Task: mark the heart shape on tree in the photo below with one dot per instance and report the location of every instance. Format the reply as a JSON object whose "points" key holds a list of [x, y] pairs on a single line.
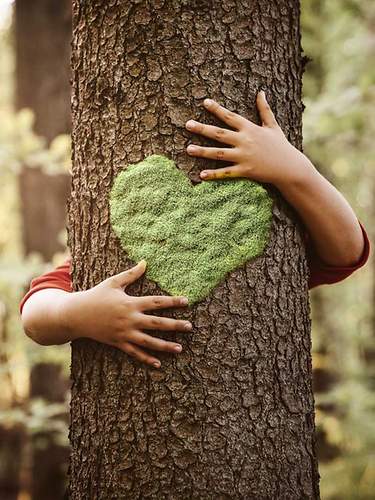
{"points": [[190, 236]]}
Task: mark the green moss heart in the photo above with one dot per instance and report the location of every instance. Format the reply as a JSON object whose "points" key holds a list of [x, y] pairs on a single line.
{"points": [[191, 236]]}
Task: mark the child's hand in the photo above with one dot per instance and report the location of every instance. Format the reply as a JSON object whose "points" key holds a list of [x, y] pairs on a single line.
{"points": [[105, 313], [261, 153]]}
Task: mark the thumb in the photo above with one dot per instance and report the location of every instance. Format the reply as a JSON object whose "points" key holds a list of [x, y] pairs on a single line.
{"points": [[127, 277], [265, 111]]}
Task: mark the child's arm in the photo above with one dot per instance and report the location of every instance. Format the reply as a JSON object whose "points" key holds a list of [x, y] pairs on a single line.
{"points": [[104, 313], [263, 153]]}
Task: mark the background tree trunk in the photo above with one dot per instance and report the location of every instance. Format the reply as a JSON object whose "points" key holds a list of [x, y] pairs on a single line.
{"points": [[43, 35], [233, 415], [43, 206]]}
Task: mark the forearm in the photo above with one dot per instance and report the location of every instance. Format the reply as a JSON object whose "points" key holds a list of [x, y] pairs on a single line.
{"points": [[330, 220], [43, 317]]}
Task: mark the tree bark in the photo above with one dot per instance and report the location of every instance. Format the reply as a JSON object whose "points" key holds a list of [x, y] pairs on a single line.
{"points": [[233, 415]]}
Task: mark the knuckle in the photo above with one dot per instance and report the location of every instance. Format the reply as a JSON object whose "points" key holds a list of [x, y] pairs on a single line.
{"points": [[157, 301], [120, 337], [143, 341], [220, 154], [155, 322], [129, 350], [219, 133], [249, 141], [113, 281], [174, 302], [165, 346]]}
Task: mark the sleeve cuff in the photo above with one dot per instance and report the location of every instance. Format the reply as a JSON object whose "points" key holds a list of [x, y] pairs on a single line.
{"points": [[322, 273]]}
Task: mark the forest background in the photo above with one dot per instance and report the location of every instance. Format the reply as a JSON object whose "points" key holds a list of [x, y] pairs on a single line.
{"points": [[339, 130]]}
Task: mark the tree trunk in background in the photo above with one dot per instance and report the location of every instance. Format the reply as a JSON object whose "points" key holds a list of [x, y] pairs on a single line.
{"points": [[43, 35], [12, 439], [43, 207], [50, 459], [233, 415]]}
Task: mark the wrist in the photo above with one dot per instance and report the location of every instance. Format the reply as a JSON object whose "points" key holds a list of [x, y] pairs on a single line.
{"points": [[67, 309], [303, 172]]}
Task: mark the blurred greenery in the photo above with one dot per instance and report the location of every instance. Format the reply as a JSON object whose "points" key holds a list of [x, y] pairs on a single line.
{"points": [[20, 147], [339, 132]]}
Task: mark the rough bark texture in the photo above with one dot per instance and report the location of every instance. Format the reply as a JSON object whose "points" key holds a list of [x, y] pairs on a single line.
{"points": [[233, 415], [43, 34]]}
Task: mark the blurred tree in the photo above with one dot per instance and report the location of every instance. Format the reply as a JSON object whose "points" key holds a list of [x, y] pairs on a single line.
{"points": [[233, 415], [43, 34]]}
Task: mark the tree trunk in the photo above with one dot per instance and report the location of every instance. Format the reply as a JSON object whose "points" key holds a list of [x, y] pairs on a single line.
{"points": [[43, 35], [43, 207], [233, 415], [50, 459]]}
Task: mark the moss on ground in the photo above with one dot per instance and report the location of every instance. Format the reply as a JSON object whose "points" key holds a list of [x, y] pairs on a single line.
{"points": [[191, 236]]}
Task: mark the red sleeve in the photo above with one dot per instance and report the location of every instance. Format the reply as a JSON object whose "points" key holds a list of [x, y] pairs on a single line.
{"points": [[58, 278], [324, 274]]}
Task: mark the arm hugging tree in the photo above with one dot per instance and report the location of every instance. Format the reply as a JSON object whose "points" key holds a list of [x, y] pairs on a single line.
{"points": [[233, 415]]}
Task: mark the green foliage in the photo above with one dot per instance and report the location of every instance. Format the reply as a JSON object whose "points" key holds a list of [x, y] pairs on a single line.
{"points": [[38, 416], [339, 127], [191, 237], [21, 147]]}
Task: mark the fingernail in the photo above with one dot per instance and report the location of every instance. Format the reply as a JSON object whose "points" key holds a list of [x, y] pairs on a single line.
{"points": [[207, 102], [263, 93], [184, 301], [188, 326], [204, 174], [190, 124], [191, 148], [142, 262], [156, 364], [178, 348]]}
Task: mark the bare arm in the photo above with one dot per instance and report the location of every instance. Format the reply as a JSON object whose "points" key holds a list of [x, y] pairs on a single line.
{"points": [[330, 220], [43, 318], [105, 313], [263, 153]]}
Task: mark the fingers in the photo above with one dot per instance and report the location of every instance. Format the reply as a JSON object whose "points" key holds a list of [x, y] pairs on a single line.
{"points": [[266, 114], [139, 354], [148, 322], [223, 173], [232, 119], [227, 154], [141, 339], [129, 276], [216, 133], [149, 303]]}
